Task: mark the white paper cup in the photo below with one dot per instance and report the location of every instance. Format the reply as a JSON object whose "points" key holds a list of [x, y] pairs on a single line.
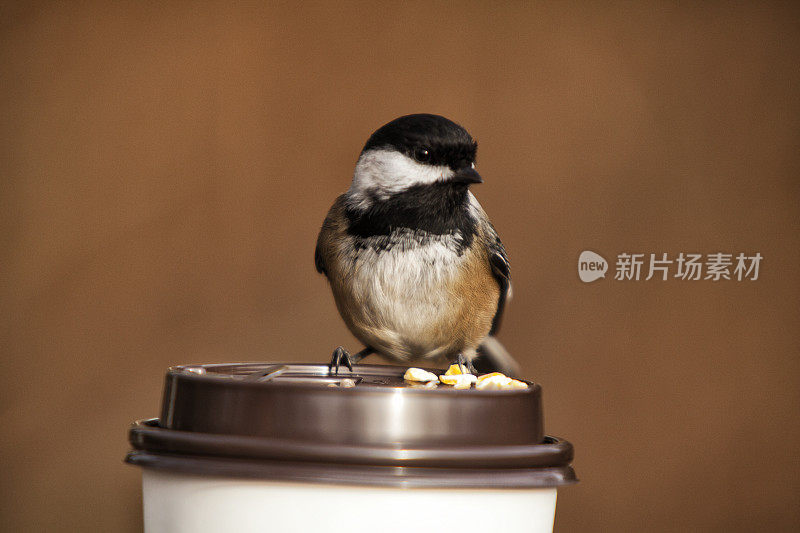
{"points": [[185, 503], [283, 447]]}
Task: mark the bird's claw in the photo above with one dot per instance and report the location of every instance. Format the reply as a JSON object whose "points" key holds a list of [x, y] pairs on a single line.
{"points": [[467, 363], [339, 356]]}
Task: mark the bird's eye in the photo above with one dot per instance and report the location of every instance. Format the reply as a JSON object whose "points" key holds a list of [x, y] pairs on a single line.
{"points": [[422, 155]]}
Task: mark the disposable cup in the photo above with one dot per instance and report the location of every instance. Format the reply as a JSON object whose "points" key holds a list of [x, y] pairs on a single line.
{"points": [[285, 447]]}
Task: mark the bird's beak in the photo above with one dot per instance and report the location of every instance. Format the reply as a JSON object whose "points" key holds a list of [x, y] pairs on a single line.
{"points": [[466, 175]]}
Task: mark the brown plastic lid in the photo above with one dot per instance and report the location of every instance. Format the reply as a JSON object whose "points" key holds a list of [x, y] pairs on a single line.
{"points": [[298, 422]]}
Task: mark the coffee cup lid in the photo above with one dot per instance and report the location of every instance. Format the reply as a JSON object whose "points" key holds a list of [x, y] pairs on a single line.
{"points": [[369, 426]]}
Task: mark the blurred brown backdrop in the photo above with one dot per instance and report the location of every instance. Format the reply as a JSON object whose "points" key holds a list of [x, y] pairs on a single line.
{"points": [[165, 169]]}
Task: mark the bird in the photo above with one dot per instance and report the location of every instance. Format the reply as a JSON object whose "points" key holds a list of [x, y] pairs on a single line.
{"points": [[417, 270]]}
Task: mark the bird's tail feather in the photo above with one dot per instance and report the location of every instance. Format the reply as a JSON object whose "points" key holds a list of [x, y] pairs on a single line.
{"points": [[493, 357]]}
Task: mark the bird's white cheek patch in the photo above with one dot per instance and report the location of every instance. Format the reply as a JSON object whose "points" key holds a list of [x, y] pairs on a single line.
{"points": [[386, 172]]}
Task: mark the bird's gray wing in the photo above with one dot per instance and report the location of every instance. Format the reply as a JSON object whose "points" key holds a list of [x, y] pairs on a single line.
{"points": [[319, 262], [498, 260], [331, 231], [492, 356]]}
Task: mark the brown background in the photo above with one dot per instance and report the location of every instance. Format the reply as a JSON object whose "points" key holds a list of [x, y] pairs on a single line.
{"points": [[165, 170]]}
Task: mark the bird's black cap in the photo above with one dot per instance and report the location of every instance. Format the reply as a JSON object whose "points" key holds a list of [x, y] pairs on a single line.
{"points": [[430, 139]]}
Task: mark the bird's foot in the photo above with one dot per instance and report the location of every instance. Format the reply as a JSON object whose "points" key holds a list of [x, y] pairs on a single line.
{"points": [[340, 355], [467, 363]]}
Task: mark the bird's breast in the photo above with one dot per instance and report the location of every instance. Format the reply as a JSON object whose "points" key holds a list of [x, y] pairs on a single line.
{"points": [[405, 270], [404, 294]]}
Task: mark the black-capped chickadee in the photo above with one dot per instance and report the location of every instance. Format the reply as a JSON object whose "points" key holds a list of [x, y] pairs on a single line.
{"points": [[416, 268]]}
